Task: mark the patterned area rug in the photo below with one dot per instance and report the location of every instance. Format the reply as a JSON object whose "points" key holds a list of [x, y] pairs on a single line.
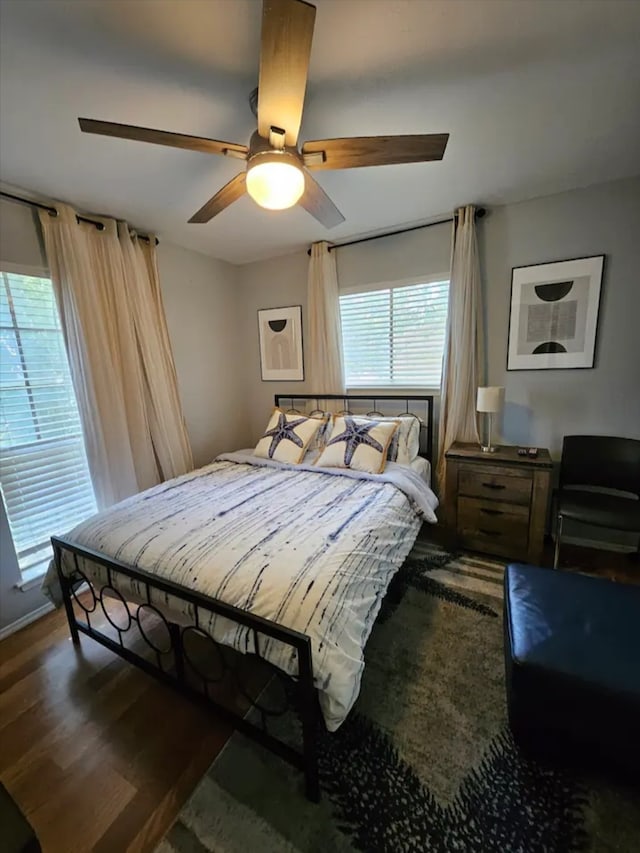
{"points": [[425, 761]]}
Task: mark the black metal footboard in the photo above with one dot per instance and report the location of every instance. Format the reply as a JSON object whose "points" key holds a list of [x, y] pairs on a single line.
{"points": [[183, 654]]}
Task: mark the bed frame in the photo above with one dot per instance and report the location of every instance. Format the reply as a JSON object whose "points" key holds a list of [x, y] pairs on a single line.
{"points": [[167, 652]]}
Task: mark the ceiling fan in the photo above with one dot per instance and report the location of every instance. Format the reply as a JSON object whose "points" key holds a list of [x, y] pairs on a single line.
{"points": [[277, 173]]}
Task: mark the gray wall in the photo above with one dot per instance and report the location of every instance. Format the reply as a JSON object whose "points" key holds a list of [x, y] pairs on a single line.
{"points": [[203, 315], [20, 241], [404, 256], [543, 405], [267, 284]]}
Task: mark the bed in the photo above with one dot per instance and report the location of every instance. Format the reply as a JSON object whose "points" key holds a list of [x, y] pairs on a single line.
{"points": [[284, 563]]}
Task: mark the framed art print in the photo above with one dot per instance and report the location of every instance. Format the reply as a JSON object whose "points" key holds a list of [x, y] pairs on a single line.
{"points": [[554, 314], [280, 331]]}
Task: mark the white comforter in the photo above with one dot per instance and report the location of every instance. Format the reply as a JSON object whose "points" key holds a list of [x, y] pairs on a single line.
{"points": [[312, 549]]}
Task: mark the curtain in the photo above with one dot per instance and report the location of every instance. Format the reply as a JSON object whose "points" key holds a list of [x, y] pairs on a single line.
{"points": [[463, 351], [112, 317], [324, 334]]}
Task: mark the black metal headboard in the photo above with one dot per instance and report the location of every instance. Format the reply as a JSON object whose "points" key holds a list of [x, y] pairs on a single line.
{"points": [[420, 405]]}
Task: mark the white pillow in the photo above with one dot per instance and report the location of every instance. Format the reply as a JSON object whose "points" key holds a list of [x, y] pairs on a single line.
{"points": [[405, 445], [358, 443], [287, 437], [323, 431]]}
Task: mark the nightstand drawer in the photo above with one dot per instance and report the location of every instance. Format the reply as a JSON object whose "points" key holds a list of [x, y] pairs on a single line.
{"points": [[490, 543], [492, 526], [482, 512], [481, 482]]}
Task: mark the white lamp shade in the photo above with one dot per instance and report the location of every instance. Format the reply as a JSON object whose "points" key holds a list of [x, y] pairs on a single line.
{"points": [[490, 399]]}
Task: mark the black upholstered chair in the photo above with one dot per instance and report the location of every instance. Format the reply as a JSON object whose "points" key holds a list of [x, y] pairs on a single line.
{"points": [[592, 466]]}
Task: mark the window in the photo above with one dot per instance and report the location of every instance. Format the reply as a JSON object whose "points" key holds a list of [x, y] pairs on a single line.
{"points": [[395, 335], [43, 467]]}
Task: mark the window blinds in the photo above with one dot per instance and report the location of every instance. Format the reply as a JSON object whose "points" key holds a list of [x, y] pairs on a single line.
{"points": [[395, 335], [43, 468]]}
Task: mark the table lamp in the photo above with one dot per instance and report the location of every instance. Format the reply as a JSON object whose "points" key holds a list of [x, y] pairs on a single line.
{"points": [[490, 400]]}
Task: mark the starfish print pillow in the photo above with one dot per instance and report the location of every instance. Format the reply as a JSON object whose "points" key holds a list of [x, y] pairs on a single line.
{"points": [[358, 443], [287, 437]]}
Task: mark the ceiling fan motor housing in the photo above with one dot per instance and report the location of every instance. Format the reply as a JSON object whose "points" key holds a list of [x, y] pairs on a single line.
{"points": [[258, 145]]}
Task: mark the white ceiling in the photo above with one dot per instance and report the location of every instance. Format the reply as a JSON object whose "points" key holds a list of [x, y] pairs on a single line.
{"points": [[538, 96]]}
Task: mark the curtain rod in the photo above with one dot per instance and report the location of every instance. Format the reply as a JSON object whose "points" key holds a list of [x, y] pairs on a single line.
{"points": [[480, 212], [53, 212]]}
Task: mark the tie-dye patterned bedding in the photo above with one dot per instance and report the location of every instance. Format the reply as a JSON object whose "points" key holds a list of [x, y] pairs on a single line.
{"points": [[312, 550]]}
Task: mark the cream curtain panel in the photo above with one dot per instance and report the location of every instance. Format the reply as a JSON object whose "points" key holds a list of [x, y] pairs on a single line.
{"points": [[108, 294], [463, 351], [325, 370]]}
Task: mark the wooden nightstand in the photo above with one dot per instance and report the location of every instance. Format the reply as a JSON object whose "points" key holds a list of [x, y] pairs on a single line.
{"points": [[497, 502]]}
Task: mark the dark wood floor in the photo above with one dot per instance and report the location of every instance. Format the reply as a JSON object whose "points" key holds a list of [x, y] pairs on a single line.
{"points": [[624, 568], [98, 755], [101, 757]]}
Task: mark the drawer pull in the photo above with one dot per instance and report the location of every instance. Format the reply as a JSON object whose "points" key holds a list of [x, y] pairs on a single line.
{"points": [[496, 486], [490, 511], [489, 532]]}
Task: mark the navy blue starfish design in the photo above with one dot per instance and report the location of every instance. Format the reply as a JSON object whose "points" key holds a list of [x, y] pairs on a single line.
{"points": [[353, 436], [284, 430]]}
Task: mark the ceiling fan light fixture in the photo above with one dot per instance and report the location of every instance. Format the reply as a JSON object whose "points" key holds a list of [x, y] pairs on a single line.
{"points": [[275, 180], [278, 172]]}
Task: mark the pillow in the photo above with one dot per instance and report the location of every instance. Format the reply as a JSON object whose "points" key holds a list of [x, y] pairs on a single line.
{"points": [[405, 444], [287, 436], [321, 436], [311, 455], [358, 443]]}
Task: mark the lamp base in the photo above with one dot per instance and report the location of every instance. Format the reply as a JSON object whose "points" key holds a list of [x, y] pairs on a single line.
{"points": [[488, 448]]}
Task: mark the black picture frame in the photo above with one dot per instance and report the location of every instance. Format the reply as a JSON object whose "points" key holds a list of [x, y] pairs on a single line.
{"points": [[572, 331], [290, 351]]}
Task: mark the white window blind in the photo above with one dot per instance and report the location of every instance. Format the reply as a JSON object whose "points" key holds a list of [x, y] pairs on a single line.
{"points": [[43, 467], [395, 335]]}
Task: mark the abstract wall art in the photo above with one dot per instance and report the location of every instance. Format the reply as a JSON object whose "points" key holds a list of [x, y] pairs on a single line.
{"points": [[554, 314], [280, 332]]}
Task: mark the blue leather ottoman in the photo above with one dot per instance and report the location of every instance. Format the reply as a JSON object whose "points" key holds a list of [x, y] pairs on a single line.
{"points": [[572, 659]]}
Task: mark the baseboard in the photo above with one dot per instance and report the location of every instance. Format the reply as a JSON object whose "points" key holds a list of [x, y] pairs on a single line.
{"points": [[25, 620]]}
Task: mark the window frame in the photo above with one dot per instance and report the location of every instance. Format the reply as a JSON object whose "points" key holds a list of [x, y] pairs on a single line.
{"points": [[349, 290], [30, 578]]}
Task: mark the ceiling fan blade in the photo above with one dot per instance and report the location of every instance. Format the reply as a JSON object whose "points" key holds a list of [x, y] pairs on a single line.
{"points": [[316, 202], [229, 193], [352, 152], [287, 32], [163, 137]]}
